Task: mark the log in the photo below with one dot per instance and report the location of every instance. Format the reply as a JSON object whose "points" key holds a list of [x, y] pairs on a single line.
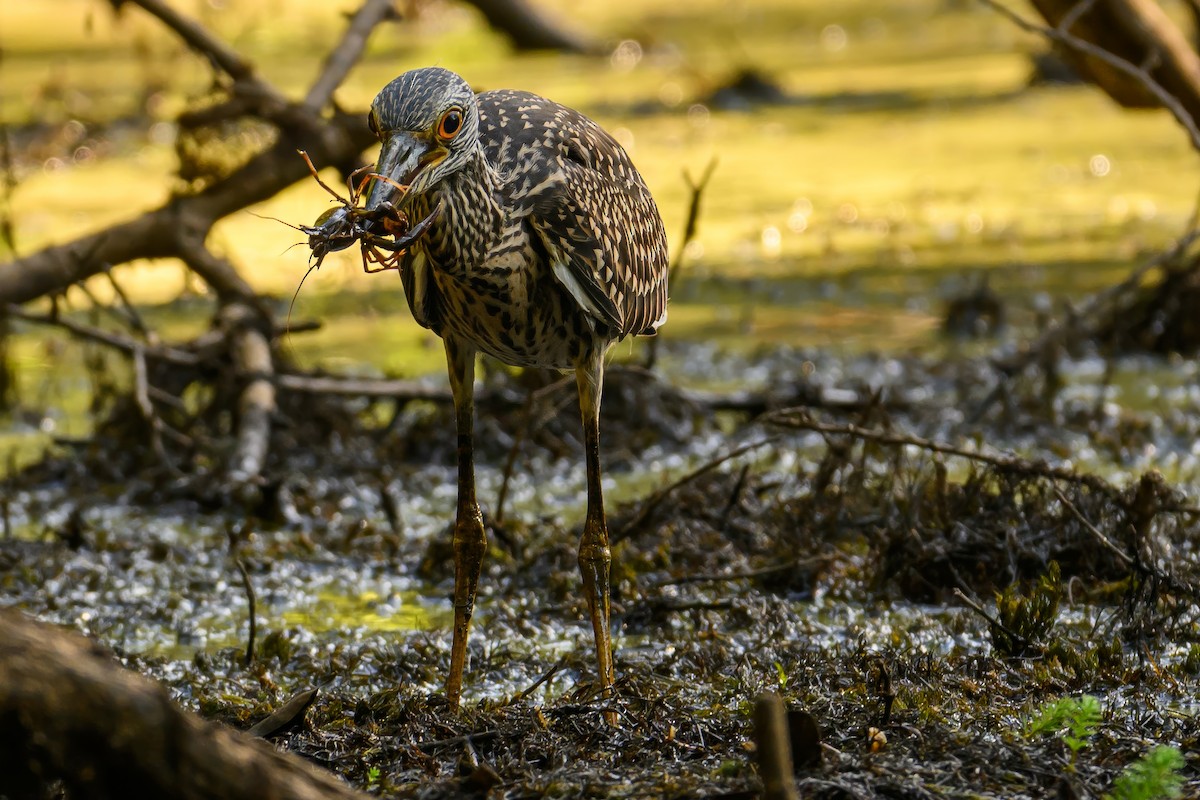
{"points": [[69, 712]]}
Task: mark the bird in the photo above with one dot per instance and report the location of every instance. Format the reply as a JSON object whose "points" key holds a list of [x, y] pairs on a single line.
{"points": [[543, 248]]}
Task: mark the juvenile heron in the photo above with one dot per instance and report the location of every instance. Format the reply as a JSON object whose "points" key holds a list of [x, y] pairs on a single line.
{"points": [[545, 248]]}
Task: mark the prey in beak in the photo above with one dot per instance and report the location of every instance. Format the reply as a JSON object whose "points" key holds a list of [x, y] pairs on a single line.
{"points": [[370, 225], [404, 162]]}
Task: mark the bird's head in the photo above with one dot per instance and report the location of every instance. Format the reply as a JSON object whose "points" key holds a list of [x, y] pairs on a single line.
{"points": [[428, 123]]}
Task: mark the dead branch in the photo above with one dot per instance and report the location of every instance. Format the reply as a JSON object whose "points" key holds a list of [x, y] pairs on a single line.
{"points": [[168, 232], [74, 715], [141, 394], [125, 344], [801, 419], [343, 57], [689, 233], [1096, 533], [174, 229], [198, 38], [651, 503], [1075, 325], [251, 353], [286, 717], [1128, 47], [696, 187], [335, 386]]}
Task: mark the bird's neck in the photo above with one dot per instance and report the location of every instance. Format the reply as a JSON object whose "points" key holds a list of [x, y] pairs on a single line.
{"points": [[472, 216]]}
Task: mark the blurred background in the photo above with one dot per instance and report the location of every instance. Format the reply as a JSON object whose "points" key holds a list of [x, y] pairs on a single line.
{"points": [[873, 161]]}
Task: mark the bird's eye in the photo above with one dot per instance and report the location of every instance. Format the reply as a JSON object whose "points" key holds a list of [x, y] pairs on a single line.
{"points": [[450, 124], [373, 124]]}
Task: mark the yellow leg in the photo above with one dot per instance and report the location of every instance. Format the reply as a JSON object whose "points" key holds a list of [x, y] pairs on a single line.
{"points": [[470, 541], [594, 555]]}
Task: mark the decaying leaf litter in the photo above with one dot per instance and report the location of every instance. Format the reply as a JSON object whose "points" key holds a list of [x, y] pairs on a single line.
{"points": [[825, 560]]}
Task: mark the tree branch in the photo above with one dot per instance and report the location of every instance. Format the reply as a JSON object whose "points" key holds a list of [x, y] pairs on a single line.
{"points": [[1143, 26], [171, 230], [343, 58], [198, 38]]}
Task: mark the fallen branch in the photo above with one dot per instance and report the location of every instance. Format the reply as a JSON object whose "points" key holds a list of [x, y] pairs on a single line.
{"points": [[800, 419], [651, 503], [251, 353], [527, 28], [125, 344], [748, 574], [73, 714]]}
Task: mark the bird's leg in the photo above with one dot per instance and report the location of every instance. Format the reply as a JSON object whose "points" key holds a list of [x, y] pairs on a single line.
{"points": [[469, 539], [594, 554]]}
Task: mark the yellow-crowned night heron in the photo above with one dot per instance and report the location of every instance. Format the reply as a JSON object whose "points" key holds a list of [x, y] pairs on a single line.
{"points": [[546, 250]]}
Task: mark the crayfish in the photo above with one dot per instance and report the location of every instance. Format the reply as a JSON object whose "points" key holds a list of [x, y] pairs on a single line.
{"points": [[340, 227]]}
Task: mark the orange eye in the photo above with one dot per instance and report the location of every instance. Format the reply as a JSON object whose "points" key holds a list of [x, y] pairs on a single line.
{"points": [[450, 124]]}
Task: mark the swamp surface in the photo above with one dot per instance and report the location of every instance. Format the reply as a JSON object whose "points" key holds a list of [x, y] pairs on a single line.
{"points": [[814, 491]]}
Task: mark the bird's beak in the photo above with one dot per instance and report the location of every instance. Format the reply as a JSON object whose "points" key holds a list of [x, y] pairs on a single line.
{"points": [[403, 158]]}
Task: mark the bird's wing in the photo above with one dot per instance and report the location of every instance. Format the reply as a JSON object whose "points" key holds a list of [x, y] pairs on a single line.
{"points": [[566, 170], [576, 256]]}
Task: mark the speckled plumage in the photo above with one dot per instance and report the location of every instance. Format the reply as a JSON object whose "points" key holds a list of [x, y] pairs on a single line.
{"points": [[544, 247], [544, 186]]}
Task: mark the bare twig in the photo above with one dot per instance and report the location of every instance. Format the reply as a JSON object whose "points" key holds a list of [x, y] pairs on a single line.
{"points": [[1121, 555], [251, 610], [134, 317], [800, 419], [1071, 17], [115, 340], [547, 675], [141, 394], [198, 38], [689, 233], [991, 620], [693, 215], [651, 503], [716, 577]]}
